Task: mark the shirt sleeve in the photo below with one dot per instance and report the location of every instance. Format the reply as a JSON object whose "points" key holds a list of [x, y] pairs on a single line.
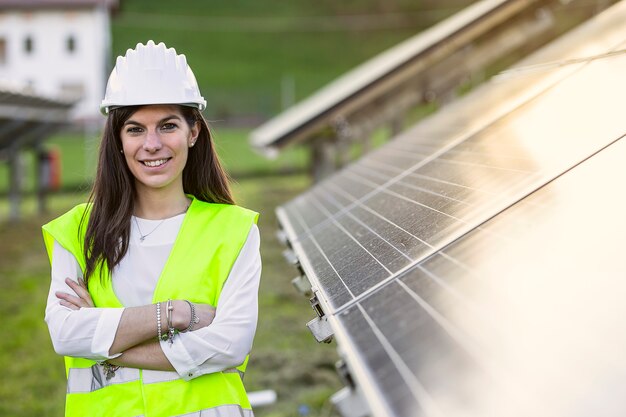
{"points": [[85, 333], [226, 342]]}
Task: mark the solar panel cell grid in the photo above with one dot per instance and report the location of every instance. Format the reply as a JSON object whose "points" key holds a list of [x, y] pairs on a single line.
{"points": [[503, 160], [473, 338], [461, 265]]}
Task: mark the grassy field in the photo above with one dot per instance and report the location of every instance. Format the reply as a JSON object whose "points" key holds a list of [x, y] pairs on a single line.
{"points": [[285, 356], [78, 156], [242, 51]]}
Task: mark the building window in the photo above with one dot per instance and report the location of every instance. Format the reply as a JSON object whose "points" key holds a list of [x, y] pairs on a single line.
{"points": [[3, 51], [29, 45], [70, 44]]}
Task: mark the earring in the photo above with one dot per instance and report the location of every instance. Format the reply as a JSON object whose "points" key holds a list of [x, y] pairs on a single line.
{"points": [[121, 150], [192, 143]]}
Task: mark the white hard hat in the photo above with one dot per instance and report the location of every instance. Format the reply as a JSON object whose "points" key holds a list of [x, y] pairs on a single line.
{"points": [[151, 74]]}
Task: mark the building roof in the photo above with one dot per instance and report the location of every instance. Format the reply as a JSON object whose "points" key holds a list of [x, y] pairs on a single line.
{"points": [[64, 4]]}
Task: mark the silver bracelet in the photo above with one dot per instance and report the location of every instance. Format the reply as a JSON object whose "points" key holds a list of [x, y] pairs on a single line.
{"points": [[158, 315], [194, 318], [171, 331]]}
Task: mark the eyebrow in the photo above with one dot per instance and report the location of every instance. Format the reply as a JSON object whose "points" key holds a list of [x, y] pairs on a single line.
{"points": [[163, 120]]}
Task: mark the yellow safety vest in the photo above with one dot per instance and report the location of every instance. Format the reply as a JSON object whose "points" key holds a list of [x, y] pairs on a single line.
{"points": [[204, 252]]}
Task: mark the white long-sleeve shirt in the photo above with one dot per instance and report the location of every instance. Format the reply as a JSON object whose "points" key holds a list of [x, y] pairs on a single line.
{"points": [[89, 332]]}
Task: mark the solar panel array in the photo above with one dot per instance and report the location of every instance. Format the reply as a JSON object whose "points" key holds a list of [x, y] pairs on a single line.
{"points": [[478, 328], [427, 254]]}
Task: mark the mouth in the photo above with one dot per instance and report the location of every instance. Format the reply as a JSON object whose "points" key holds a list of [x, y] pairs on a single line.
{"points": [[155, 163]]}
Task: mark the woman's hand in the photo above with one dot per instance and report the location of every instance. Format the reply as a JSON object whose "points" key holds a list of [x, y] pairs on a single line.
{"points": [[206, 314], [75, 302], [182, 315], [182, 312]]}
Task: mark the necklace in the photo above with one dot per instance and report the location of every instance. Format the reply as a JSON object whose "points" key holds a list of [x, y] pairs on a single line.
{"points": [[143, 237]]}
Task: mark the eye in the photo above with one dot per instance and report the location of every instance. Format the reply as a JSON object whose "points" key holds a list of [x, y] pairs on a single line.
{"points": [[134, 129], [169, 126]]}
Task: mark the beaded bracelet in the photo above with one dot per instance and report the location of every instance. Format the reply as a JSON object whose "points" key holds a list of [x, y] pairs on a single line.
{"points": [[158, 315], [194, 318]]}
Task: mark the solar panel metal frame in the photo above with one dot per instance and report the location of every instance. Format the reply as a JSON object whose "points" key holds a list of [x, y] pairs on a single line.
{"points": [[371, 80], [296, 237], [467, 348]]}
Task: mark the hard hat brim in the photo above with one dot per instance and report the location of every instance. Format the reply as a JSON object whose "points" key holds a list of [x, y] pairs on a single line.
{"points": [[105, 108]]}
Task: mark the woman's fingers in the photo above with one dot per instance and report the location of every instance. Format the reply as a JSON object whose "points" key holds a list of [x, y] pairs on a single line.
{"points": [[81, 290], [69, 299], [68, 305], [81, 299]]}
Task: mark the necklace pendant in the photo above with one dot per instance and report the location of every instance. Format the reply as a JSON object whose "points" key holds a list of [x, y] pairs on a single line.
{"points": [[142, 237]]}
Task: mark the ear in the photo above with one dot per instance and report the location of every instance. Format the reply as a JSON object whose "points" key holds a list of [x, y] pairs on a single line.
{"points": [[193, 136]]}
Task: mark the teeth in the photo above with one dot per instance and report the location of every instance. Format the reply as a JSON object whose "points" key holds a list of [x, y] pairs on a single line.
{"points": [[155, 163]]}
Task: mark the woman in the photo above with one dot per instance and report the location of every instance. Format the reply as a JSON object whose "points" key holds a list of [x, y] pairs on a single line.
{"points": [[154, 287]]}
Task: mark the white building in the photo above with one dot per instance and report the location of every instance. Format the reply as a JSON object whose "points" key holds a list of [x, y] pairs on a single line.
{"points": [[58, 48]]}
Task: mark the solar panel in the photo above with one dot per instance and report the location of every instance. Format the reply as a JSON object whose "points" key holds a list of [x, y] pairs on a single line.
{"points": [[481, 332], [455, 263], [403, 201]]}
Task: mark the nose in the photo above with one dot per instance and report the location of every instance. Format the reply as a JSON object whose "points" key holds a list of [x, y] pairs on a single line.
{"points": [[152, 143]]}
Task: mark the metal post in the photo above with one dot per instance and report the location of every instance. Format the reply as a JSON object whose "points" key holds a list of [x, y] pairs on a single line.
{"points": [[323, 159], [41, 176], [344, 148], [15, 182], [366, 143], [397, 125]]}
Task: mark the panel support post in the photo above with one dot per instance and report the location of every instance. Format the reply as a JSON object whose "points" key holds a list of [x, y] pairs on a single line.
{"points": [[366, 143], [15, 182], [397, 125], [323, 159], [42, 172]]}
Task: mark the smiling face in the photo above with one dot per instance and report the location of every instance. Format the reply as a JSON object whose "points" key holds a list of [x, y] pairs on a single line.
{"points": [[156, 140]]}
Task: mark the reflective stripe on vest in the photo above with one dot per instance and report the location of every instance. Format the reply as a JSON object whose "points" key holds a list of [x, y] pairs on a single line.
{"points": [[93, 378], [152, 377], [235, 370], [220, 231], [221, 411]]}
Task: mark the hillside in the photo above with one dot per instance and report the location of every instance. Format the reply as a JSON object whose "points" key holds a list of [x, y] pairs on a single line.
{"points": [[243, 51]]}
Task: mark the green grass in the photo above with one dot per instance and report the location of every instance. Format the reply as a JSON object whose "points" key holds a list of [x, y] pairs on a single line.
{"points": [[285, 357], [79, 157], [240, 66], [240, 73], [241, 161]]}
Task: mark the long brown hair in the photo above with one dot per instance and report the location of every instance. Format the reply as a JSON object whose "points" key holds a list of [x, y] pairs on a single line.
{"points": [[112, 197]]}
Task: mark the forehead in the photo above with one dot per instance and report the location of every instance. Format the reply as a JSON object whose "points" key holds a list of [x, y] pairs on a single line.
{"points": [[155, 113]]}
